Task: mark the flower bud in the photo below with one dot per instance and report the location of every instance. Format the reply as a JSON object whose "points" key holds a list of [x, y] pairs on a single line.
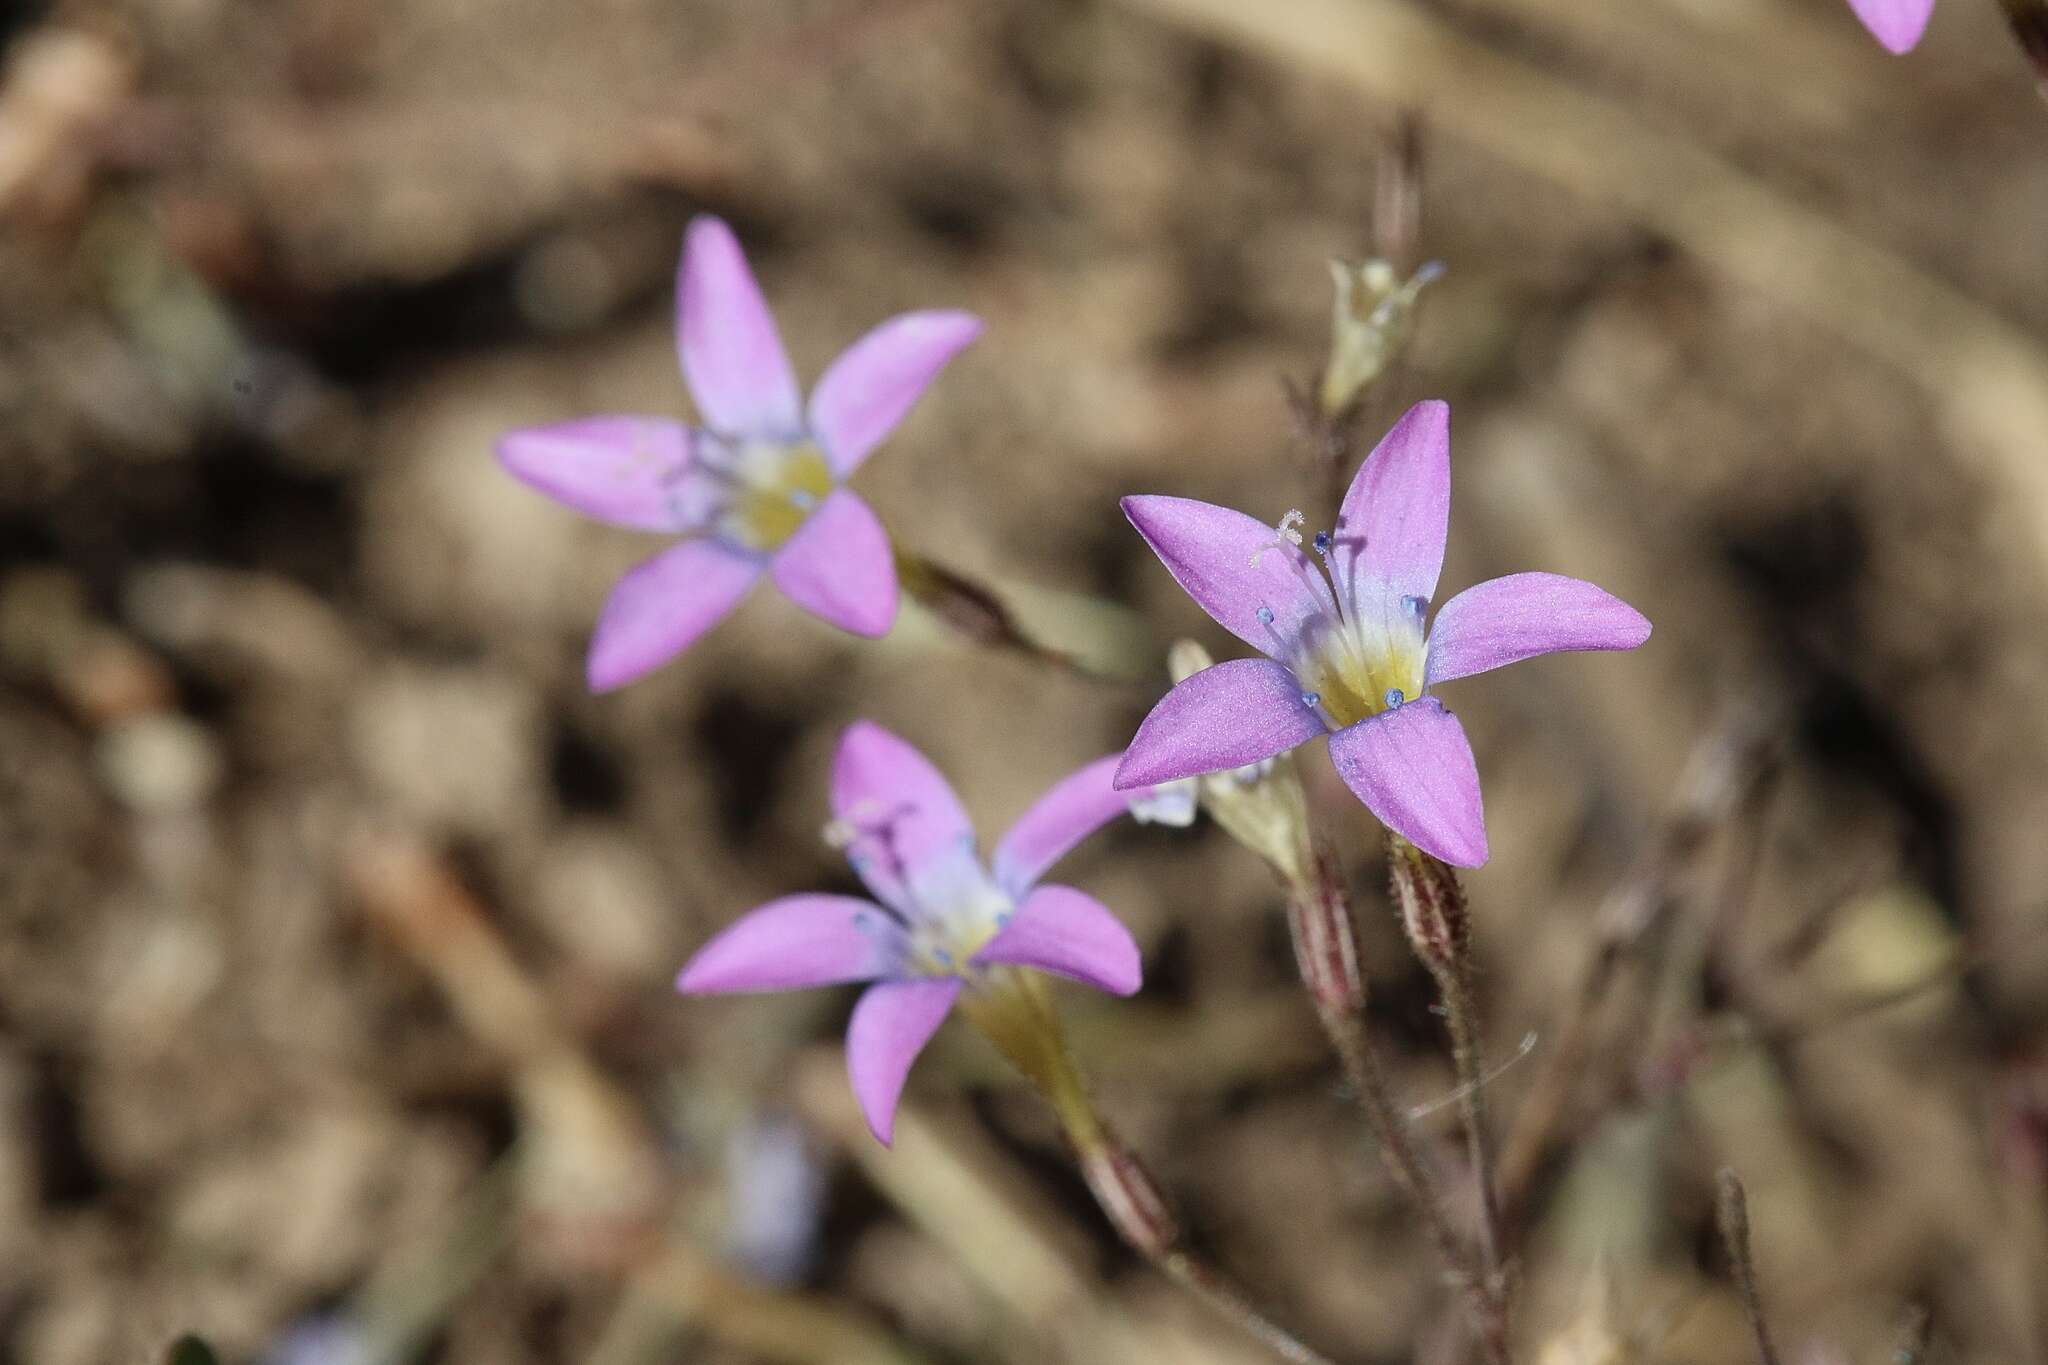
{"points": [[1369, 326], [1432, 905]]}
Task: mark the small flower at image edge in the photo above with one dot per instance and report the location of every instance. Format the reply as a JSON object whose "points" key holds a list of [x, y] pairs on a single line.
{"points": [[1346, 651], [942, 920], [1898, 24], [759, 487]]}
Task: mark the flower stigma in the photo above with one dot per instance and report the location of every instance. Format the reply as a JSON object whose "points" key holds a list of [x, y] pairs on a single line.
{"points": [[766, 489], [1364, 658], [949, 907]]}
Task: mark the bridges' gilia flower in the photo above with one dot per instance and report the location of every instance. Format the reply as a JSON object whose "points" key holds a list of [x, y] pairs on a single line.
{"points": [[942, 922], [1347, 653], [759, 487]]}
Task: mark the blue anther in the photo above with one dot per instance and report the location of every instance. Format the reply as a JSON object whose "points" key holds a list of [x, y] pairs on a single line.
{"points": [[1322, 542], [1414, 605], [1311, 698], [945, 959], [1265, 615], [1394, 698]]}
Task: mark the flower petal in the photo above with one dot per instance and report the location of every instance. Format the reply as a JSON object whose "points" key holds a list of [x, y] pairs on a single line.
{"points": [[1233, 567], [839, 567], [662, 605], [890, 1026], [1075, 807], [624, 470], [1059, 929], [795, 942], [1390, 533], [903, 814], [1504, 620], [1897, 24], [1413, 768], [1226, 716], [875, 381], [732, 355]]}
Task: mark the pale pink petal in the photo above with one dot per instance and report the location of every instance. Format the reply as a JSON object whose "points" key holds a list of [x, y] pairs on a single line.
{"points": [[1075, 807], [839, 567], [1390, 535], [1235, 568], [875, 381], [1897, 24], [1059, 929], [890, 1026], [663, 604], [797, 941], [902, 815], [732, 355], [1226, 716], [1413, 768], [1504, 620], [624, 470]]}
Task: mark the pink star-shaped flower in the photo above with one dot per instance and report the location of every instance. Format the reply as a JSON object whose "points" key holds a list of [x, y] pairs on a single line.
{"points": [[759, 487], [1346, 651], [941, 918]]}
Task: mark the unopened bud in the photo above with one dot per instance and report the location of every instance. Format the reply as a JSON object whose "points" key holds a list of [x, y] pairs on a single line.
{"points": [[1186, 659], [1432, 905], [1325, 941], [1368, 327]]}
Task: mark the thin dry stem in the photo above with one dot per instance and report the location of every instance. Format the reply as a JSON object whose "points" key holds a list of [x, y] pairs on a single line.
{"points": [[1461, 1014], [1011, 1009], [1734, 1217], [1319, 918]]}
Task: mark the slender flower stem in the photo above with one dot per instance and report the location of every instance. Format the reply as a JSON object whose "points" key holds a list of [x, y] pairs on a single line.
{"points": [[1366, 1073], [1462, 1015], [1325, 947], [1011, 1008], [978, 613], [1439, 927]]}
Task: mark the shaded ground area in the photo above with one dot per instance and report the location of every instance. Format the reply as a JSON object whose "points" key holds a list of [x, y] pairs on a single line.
{"points": [[337, 921]]}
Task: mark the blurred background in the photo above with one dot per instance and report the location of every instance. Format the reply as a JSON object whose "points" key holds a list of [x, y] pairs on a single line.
{"points": [[338, 921]]}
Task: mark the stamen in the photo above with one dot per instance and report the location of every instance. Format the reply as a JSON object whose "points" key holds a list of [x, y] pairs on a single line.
{"points": [[1322, 542], [1414, 606], [1265, 615], [1311, 699], [1394, 699]]}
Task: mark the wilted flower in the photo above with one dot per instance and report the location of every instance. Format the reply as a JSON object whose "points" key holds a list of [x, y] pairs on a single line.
{"points": [[759, 487], [1347, 653], [1897, 24], [942, 920]]}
